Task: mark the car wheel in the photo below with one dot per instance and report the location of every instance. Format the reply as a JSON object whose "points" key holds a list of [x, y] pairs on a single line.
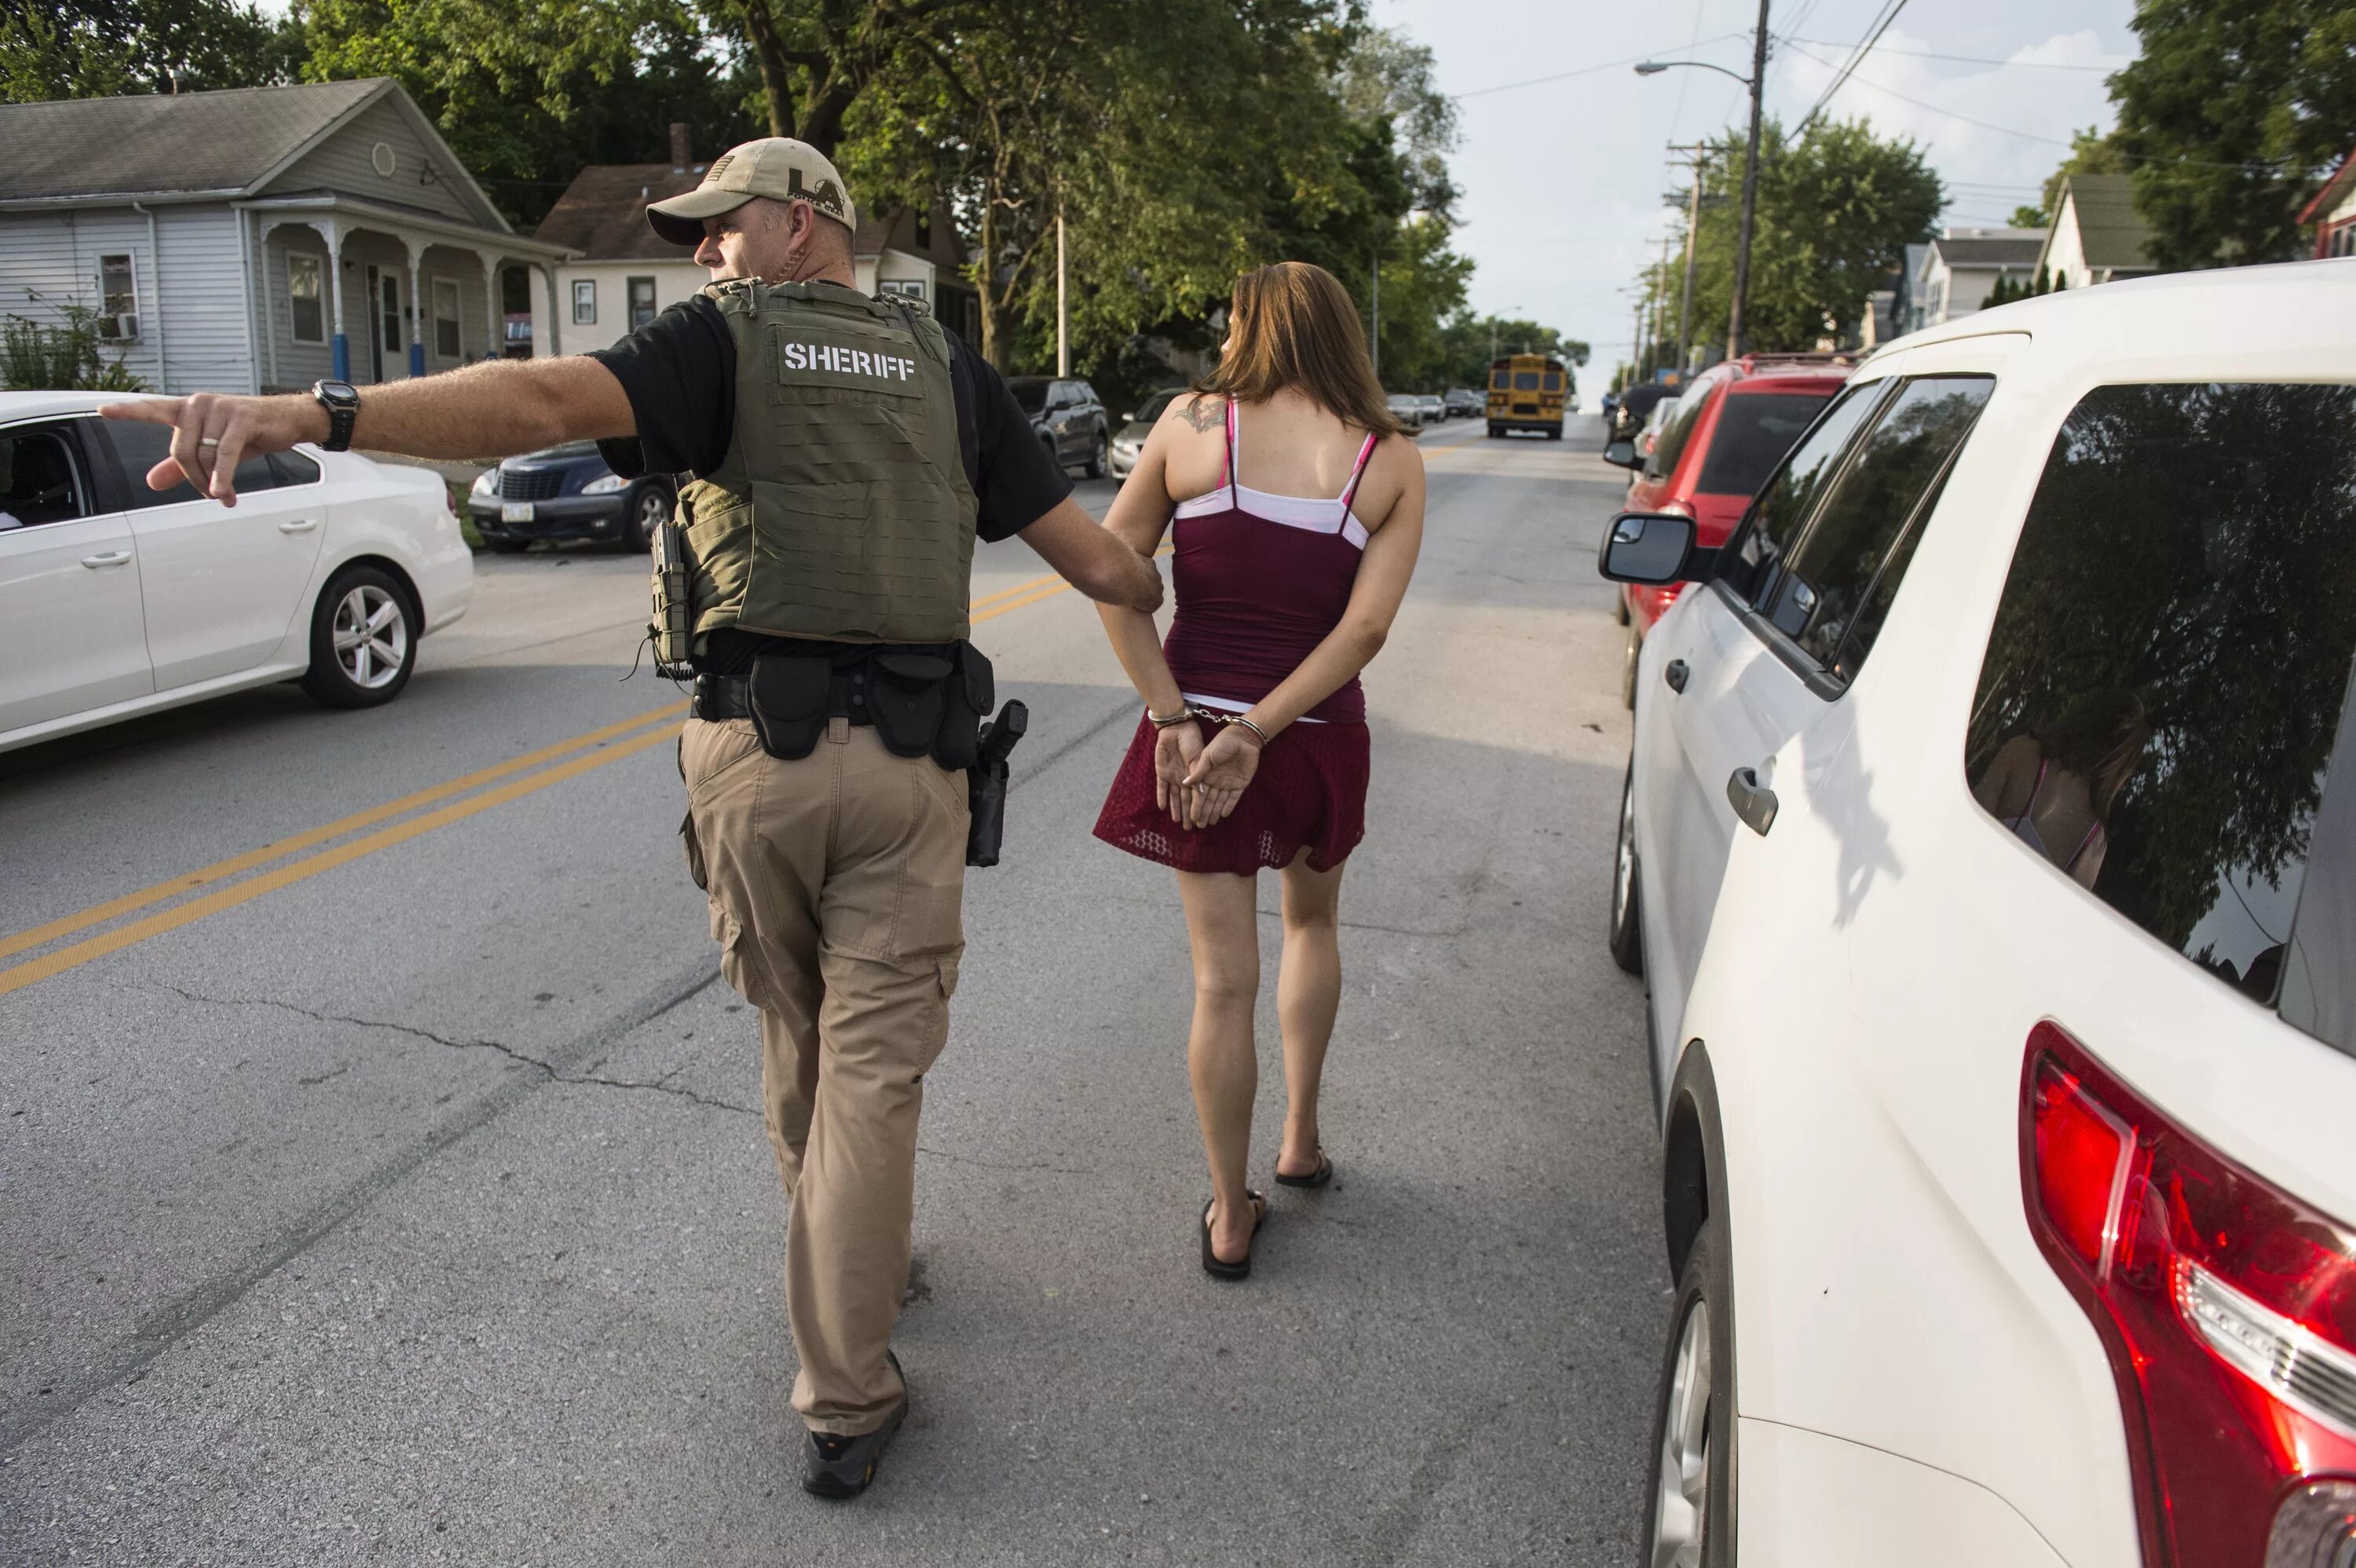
{"points": [[648, 509], [1626, 931], [1099, 448], [363, 640], [1632, 647], [1493, 432], [1688, 1521]]}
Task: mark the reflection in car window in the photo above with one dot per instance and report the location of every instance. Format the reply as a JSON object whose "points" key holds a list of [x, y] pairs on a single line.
{"points": [[1775, 517], [1882, 489], [1674, 436], [1754, 433], [2168, 667], [141, 446], [38, 483]]}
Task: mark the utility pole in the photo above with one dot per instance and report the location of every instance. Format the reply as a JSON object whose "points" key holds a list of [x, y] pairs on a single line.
{"points": [[1660, 300], [1378, 319], [1636, 350], [1693, 227], [1749, 192], [1062, 315]]}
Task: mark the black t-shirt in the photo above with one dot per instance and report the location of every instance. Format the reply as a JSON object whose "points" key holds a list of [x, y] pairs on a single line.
{"points": [[679, 374]]}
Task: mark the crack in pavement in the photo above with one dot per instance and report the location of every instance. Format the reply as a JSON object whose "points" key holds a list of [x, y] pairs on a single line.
{"points": [[660, 1085]]}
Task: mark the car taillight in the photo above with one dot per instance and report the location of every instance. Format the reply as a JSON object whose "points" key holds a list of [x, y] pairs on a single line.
{"points": [[2228, 1309]]}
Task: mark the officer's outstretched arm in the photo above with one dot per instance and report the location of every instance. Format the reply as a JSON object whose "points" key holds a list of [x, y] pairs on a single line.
{"points": [[1093, 560], [492, 409]]}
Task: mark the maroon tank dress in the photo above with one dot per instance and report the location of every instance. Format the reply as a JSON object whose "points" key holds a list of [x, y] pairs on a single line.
{"points": [[1260, 580]]}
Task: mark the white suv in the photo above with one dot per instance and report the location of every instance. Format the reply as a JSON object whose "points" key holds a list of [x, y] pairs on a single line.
{"points": [[1990, 852]]}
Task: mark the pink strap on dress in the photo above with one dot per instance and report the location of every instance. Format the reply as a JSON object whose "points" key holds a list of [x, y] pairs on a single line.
{"points": [[1231, 498], [1358, 471]]}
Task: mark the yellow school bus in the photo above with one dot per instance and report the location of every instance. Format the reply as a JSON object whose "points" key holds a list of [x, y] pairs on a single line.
{"points": [[1527, 392]]}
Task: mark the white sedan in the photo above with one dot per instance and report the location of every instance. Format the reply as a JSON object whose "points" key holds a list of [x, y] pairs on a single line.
{"points": [[116, 600], [1989, 850]]}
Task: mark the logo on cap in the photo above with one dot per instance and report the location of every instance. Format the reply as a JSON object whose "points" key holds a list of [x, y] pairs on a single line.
{"points": [[827, 195]]}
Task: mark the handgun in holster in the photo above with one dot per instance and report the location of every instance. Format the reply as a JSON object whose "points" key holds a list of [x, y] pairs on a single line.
{"points": [[985, 783], [671, 631]]}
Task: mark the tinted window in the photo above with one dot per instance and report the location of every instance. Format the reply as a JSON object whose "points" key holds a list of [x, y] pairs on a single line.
{"points": [[1674, 436], [1754, 432], [294, 468], [1774, 519], [40, 480], [1525, 381], [1030, 392], [2167, 670], [1889, 482], [142, 447]]}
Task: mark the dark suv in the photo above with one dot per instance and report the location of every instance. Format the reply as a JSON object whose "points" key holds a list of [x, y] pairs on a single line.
{"points": [[567, 493], [1068, 419]]}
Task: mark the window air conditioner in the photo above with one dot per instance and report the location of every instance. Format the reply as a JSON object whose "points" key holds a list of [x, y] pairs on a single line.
{"points": [[126, 325]]}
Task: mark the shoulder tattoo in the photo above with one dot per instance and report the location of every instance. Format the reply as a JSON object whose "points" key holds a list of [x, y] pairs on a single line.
{"points": [[1204, 412]]}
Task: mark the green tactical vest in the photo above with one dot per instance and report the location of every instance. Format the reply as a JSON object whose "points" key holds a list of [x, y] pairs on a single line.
{"points": [[842, 511]]}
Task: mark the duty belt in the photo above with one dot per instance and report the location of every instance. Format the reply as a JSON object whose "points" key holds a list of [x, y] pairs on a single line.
{"points": [[724, 696]]}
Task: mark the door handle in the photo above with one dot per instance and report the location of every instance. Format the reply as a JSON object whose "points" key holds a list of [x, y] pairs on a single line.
{"points": [[1675, 673], [112, 558], [1753, 801], [298, 525]]}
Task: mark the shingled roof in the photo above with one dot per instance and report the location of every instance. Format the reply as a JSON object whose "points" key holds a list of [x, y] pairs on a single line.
{"points": [[1990, 250], [163, 144], [2110, 230]]}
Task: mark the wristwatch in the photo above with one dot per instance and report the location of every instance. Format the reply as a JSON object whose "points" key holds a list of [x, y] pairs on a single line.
{"points": [[343, 406]]}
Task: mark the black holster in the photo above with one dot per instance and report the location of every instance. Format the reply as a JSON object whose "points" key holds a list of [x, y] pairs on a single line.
{"points": [[986, 781]]}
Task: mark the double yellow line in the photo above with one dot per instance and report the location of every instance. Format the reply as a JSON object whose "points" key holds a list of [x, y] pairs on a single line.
{"points": [[522, 775]]}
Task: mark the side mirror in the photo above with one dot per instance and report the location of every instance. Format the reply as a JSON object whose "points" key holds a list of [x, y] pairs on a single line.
{"points": [[1622, 453], [1648, 548]]}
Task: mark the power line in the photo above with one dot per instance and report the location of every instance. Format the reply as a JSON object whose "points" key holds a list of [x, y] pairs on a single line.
{"points": [[1584, 70], [1888, 14], [2271, 168], [1963, 59]]}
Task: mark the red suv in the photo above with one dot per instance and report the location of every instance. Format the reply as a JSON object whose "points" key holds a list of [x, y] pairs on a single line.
{"points": [[1732, 425]]}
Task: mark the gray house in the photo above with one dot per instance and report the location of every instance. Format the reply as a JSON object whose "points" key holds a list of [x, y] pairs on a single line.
{"points": [[259, 239]]}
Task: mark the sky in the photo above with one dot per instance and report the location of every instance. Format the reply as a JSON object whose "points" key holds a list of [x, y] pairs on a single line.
{"points": [[1562, 179]]}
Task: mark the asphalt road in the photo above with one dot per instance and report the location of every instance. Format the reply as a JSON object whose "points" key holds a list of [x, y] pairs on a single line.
{"points": [[390, 1189]]}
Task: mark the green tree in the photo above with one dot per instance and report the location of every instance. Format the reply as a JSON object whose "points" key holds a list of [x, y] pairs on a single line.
{"points": [[102, 49], [1837, 210], [2231, 114], [527, 92], [1472, 341]]}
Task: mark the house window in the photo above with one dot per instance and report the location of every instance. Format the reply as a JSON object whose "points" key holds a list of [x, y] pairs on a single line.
{"points": [[642, 302], [913, 287], [118, 298], [445, 318], [303, 293], [584, 302]]}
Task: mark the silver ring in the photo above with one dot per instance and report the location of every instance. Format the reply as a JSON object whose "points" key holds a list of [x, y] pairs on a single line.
{"points": [[209, 441]]}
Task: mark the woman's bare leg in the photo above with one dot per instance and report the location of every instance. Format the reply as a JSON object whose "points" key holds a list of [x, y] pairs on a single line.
{"points": [[1223, 925], [1308, 994]]}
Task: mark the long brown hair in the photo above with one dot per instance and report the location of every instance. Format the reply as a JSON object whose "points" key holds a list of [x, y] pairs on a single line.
{"points": [[1294, 326]]}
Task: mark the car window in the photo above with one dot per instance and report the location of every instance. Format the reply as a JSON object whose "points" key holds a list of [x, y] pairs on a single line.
{"points": [[140, 446], [1674, 436], [1888, 483], [1155, 407], [1554, 380], [294, 468], [1752, 433], [1774, 519], [1030, 393], [1083, 393], [2167, 674], [40, 479]]}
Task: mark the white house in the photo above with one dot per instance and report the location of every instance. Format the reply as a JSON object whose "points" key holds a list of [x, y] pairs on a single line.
{"points": [[259, 239], [621, 274], [2097, 235], [1958, 270]]}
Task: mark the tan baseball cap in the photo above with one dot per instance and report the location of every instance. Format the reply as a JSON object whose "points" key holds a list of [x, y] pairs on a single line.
{"points": [[775, 166]]}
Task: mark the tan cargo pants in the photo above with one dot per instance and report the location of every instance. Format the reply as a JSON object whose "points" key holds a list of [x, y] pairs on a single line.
{"points": [[836, 882]]}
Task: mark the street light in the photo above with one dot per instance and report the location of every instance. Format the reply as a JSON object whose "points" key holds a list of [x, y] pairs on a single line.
{"points": [[1750, 170]]}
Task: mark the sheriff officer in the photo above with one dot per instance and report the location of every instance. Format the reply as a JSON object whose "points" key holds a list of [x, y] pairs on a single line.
{"points": [[844, 454]]}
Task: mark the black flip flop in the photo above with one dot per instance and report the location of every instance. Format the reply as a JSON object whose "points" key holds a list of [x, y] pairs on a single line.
{"points": [[1317, 1178], [1218, 1267]]}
